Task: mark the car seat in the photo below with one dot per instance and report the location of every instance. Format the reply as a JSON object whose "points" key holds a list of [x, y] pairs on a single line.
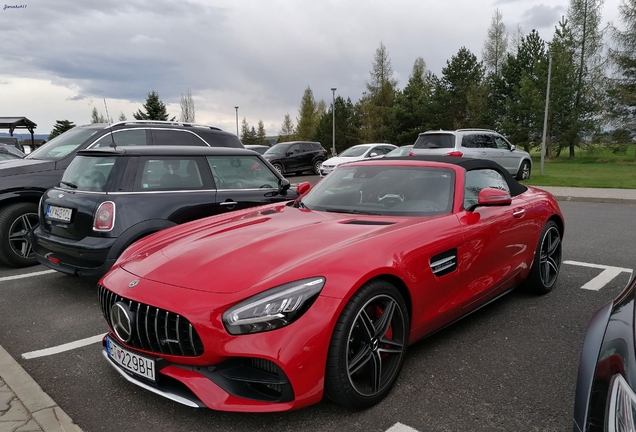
{"points": [[170, 180]]}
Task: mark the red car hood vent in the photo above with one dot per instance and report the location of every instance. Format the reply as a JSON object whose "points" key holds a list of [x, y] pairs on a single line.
{"points": [[237, 253]]}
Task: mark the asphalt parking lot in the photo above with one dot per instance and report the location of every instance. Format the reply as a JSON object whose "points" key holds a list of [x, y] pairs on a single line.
{"points": [[510, 366]]}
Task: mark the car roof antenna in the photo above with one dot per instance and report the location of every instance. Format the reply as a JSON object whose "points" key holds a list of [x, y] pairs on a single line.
{"points": [[113, 145]]}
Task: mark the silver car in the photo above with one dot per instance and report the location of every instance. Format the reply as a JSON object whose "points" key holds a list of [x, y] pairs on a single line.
{"points": [[475, 143]]}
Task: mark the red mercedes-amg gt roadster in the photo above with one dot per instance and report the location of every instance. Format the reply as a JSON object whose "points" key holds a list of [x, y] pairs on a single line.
{"points": [[274, 307]]}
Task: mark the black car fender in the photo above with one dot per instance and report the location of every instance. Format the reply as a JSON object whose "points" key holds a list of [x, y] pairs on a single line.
{"points": [[20, 195], [136, 232]]}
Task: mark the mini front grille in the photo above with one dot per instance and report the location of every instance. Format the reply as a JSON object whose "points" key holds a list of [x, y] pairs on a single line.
{"points": [[155, 329]]}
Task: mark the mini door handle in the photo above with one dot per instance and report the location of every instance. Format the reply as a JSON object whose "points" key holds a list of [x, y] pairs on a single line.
{"points": [[228, 203]]}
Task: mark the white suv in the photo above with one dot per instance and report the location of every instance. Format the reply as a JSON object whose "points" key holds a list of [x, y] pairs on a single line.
{"points": [[475, 143]]}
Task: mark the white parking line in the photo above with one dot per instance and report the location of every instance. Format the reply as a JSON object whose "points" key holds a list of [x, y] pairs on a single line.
{"points": [[606, 276], [399, 427], [65, 347], [26, 275]]}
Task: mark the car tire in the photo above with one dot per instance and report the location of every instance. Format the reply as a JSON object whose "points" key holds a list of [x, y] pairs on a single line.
{"points": [[317, 165], [524, 171], [547, 261], [368, 346], [16, 223], [278, 167]]}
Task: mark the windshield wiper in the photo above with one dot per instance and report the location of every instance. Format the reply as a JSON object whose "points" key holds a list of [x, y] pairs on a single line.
{"points": [[348, 211], [300, 204], [69, 184]]}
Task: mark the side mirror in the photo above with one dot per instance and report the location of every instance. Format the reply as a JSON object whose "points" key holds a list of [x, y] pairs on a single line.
{"points": [[374, 154], [303, 188], [512, 147], [283, 185], [493, 197]]}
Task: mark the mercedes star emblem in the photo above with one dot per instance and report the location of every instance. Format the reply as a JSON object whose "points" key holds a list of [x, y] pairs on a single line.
{"points": [[122, 318], [133, 283]]}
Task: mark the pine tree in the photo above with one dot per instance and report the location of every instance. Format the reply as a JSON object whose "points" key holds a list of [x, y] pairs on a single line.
{"points": [[377, 102], [286, 132], [122, 117], [496, 44], [153, 109], [261, 134], [307, 119], [60, 127], [97, 117]]}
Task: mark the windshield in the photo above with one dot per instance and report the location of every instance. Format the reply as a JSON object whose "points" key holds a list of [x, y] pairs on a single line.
{"points": [[354, 152], [88, 173], [400, 151], [276, 149], [384, 190], [63, 144]]}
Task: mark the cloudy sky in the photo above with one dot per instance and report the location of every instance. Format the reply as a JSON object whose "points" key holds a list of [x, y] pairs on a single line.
{"points": [[60, 59]]}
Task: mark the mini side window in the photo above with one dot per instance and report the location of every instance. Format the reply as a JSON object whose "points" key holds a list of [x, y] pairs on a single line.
{"points": [[169, 174], [476, 180], [241, 172], [122, 138]]}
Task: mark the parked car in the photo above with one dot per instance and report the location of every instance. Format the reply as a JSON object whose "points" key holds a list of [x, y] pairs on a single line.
{"points": [[13, 142], [22, 182], [296, 156], [475, 143], [8, 152], [260, 149], [272, 309], [606, 386], [357, 152], [109, 198], [404, 150]]}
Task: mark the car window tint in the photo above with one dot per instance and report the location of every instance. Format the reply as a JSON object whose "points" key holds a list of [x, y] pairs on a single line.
{"points": [[485, 141], [433, 141], [476, 180], [502, 143], [306, 147], [88, 173], [175, 137], [169, 174], [241, 172], [470, 141], [294, 149], [131, 137]]}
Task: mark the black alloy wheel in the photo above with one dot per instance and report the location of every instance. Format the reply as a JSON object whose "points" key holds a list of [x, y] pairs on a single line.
{"points": [[547, 260], [16, 223], [368, 346]]}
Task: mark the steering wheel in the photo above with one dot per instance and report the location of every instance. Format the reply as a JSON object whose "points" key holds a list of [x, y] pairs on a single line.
{"points": [[388, 196]]}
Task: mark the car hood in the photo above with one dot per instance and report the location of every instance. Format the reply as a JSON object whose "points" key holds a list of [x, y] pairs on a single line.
{"points": [[233, 253], [22, 166], [335, 161]]}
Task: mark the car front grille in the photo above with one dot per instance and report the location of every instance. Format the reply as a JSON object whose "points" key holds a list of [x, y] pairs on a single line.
{"points": [[155, 329]]}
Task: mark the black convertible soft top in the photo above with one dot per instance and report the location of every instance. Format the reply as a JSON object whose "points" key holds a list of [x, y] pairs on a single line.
{"points": [[469, 164]]}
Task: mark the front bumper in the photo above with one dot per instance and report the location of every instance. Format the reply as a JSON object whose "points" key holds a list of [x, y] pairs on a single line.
{"points": [[87, 257], [325, 170], [271, 371]]}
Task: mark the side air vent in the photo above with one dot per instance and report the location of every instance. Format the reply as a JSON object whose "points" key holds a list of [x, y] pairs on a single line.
{"points": [[444, 263], [367, 222]]}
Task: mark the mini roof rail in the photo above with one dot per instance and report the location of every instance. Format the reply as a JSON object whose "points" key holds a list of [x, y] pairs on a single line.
{"points": [[163, 122]]}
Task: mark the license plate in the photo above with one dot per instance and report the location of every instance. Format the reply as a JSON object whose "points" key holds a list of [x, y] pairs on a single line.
{"points": [[139, 365], [59, 213]]}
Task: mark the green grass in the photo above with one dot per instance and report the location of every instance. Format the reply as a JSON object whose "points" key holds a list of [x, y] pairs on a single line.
{"points": [[601, 169]]}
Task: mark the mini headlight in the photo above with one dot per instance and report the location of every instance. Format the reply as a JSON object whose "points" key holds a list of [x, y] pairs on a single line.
{"points": [[274, 308], [621, 409]]}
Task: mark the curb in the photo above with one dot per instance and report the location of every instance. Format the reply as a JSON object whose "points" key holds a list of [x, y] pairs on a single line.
{"points": [[595, 199], [44, 411]]}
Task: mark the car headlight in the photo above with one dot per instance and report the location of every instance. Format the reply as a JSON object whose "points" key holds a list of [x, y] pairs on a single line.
{"points": [[274, 308], [621, 409]]}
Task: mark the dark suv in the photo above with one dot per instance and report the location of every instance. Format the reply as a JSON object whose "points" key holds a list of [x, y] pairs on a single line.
{"points": [[296, 157], [23, 181], [108, 198]]}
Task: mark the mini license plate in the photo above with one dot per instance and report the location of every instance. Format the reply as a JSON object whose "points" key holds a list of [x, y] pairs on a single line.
{"points": [[139, 365], [58, 213]]}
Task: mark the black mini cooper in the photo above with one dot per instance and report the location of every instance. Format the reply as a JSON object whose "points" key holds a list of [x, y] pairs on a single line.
{"points": [[110, 197]]}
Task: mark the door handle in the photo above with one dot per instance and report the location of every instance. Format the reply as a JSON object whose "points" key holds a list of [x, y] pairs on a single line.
{"points": [[519, 212], [228, 203]]}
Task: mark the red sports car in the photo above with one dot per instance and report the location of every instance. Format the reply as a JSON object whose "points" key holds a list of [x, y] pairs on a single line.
{"points": [[272, 308]]}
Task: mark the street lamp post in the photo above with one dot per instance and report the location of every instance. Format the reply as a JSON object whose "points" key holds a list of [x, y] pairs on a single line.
{"points": [[333, 121], [545, 118], [236, 108]]}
